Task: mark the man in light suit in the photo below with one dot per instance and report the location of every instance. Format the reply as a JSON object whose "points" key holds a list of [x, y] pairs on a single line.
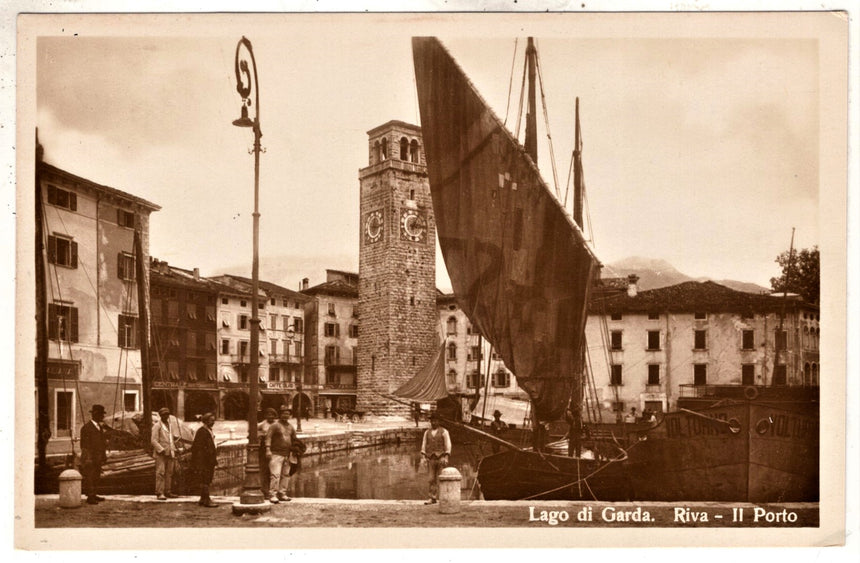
{"points": [[164, 452]]}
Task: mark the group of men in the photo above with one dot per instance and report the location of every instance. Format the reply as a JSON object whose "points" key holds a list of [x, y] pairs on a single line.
{"points": [[280, 451], [165, 450]]}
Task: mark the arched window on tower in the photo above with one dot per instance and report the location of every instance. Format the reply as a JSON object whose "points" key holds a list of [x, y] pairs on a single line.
{"points": [[377, 153], [384, 150], [413, 152], [452, 351], [452, 325], [404, 148]]}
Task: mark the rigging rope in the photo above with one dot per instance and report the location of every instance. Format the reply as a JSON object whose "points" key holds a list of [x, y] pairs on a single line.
{"points": [[522, 99], [546, 124], [510, 83], [61, 331]]}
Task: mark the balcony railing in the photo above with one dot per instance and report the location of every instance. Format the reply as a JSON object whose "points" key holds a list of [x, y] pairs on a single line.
{"points": [[285, 359], [740, 392], [240, 358]]}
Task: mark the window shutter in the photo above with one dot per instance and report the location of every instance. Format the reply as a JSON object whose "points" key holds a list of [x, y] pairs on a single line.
{"points": [[120, 341], [52, 250], [73, 321], [74, 246], [120, 218], [120, 266], [337, 330], [53, 329], [52, 194], [73, 201]]}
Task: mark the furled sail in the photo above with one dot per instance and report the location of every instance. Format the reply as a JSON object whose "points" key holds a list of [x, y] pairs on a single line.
{"points": [[428, 384], [519, 267]]}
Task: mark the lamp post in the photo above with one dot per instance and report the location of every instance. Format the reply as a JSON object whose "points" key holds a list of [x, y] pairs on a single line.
{"points": [[251, 500], [291, 334]]}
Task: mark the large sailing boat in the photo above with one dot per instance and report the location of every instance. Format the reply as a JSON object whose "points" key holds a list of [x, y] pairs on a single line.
{"points": [[521, 270]]}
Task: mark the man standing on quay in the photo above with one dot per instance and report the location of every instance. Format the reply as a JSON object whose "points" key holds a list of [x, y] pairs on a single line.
{"points": [[279, 443], [204, 458], [164, 452], [435, 447], [93, 453], [262, 430]]}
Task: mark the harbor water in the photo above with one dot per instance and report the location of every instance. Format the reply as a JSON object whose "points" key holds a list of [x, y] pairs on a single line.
{"points": [[391, 472]]}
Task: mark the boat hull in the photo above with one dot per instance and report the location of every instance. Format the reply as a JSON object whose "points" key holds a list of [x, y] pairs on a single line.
{"points": [[525, 475], [763, 452]]}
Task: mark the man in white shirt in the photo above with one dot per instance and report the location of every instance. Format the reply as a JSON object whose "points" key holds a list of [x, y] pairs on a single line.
{"points": [[164, 452], [435, 447]]}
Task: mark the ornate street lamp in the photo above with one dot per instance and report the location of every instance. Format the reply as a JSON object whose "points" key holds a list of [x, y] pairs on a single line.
{"points": [[251, 500]]}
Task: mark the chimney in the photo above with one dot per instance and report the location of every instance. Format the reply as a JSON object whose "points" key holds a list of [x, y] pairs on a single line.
{"points": [[632, 289], [197, 274], [305, 282]]}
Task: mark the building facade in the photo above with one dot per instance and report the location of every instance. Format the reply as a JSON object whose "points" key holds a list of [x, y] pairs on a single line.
{"points": [[90, 280], [397, 249], [469, 357], [282, 341], [184, 342], [648, 349], [332, 338]]}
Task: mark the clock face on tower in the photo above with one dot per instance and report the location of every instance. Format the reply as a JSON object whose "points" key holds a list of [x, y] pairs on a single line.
{"points": [[413, 226], [373, 226]]}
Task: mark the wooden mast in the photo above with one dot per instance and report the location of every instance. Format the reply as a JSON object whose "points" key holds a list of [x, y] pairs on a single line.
{"points": [[143, 318], [531, 114], [531, 149], [578, 187], [574, 414], [43, 408], [776, 348]]}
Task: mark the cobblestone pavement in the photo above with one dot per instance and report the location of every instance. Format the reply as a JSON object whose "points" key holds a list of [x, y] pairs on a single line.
{"points": [[146, 512]]}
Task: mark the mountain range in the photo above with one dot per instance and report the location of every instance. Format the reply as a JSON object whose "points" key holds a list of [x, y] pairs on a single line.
{"points": [[654, 273], [288, 271]]}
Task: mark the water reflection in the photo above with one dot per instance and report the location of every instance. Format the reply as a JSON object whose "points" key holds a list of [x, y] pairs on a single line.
{"points": [[385, 473]]}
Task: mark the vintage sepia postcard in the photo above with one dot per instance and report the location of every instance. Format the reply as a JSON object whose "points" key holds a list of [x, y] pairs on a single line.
{"points": [[500, 279]]}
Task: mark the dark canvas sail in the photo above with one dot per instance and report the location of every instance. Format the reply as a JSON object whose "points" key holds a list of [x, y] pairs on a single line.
{"points": [[429, 383], [519, 267]]}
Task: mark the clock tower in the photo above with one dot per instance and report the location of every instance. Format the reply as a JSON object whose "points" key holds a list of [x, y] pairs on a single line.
{"points": [[397, 267]]}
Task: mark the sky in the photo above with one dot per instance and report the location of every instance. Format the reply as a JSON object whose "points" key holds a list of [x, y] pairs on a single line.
{"points": [[699, 149]]}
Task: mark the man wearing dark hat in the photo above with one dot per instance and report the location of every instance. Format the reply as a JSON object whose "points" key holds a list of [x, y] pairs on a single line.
{"points": [[435, 447], [204, 458], [497, 427], [93, 453], [164, 452]]}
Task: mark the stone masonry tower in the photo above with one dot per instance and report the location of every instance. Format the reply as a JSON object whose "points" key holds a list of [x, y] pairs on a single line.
{"points": [[397, 267]]}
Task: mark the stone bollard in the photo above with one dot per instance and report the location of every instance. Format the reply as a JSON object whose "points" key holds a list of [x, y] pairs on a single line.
{"points": [[449, 490], [70, 489]]}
